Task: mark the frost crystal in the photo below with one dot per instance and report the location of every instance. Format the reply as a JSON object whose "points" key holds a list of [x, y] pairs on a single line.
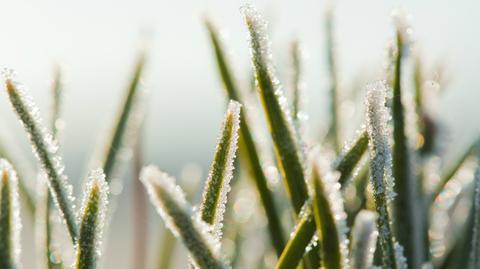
{"points": [[8, 180], [45, 149], [377, 127], [364, 240], [475, 250], [400, 257], [221, 172]]}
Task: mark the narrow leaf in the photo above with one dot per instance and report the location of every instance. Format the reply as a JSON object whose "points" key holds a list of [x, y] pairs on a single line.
{"points": [[295, 53], [350, 157], [380, 167], [172, 206], [246, 141], [45, 150], [10, 223], [275, 106], [475, 249], [92, 219], [217, 185], [330, 218], [364, 240]]}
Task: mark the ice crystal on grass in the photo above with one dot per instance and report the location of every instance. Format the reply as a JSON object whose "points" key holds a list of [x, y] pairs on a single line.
{"points": [[475, 249], [45, 149], [217, 185], [10, 223], [92, 221], [170, 202], [364, 240]]}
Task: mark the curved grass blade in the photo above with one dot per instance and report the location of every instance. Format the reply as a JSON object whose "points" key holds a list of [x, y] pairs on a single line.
{"points": [[10, 223], [364, 240], [330, 219], [300, 238], [217, 185], [349, 159], [121, 125], [246, 141], [45, 150], [275, 106], [170, 203], [474, 261], [380, 165], [94, 207], [405, 207]]}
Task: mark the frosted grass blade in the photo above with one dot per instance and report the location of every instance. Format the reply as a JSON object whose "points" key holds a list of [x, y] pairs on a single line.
{"points": [[170, 203], [275, 106], [246, 141], [405, 206], [349, 159], [10, 224], [474, 261], [121, 124], [380, 165], [364, 240], [92, 219], [296, 80], [45, 150], [217, 184], [329, 218]]}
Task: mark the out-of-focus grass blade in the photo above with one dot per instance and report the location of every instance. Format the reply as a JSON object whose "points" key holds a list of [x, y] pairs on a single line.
{"points": [[46, 152], [330, 219], [299, 240], [10, 223], [120, 127], [364, 240], [380, 162], [217, 185], [172, 206], [296, 79], [246, 141], [406, 212], [474, 261], [350, 158], [94, 207]]}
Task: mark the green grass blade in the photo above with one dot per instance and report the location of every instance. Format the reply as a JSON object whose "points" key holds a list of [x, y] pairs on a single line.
{"points": [[299, 240], [274, 104], [10, 223], [364, 240], [121, 124], [172, 206], [246, 141], [46, 152], [330, 219], [295, 53], [406, 212], [217, 185], [380, 165], [349, 159], [94, 207], [474, 260]]}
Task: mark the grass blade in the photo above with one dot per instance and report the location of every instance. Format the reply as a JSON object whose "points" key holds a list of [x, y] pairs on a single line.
{"points": [[364, 240], [217, 185], [94, 207], [349, 159], [380, 165], [295, 53], [474, 261], [330, 218], [246, 141], [121, 125], [10, 223], [45, 150], [299, 240], [405, 207], [275, 106], [170, 203]]}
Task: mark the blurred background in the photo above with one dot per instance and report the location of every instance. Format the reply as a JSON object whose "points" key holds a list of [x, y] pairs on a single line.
{"points": [[96, 42]]}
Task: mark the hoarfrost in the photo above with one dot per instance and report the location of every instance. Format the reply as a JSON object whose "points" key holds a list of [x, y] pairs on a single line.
{"points": [[364, 240]]}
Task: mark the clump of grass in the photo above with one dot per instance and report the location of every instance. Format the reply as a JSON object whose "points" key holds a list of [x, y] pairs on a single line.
{"points": [[388, 225]]}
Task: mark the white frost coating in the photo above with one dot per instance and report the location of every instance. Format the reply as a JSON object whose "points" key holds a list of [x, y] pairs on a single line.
{"points": [[377, 127], [26, 107], [15, 221], [402, 21], [335, 199], [364, 240], [399, 257], [475, 250], [233, 111], [96, 179], [40, 220]]}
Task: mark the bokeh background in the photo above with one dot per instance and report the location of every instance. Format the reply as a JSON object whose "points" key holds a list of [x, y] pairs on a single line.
{"points": [[95, 44]]}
